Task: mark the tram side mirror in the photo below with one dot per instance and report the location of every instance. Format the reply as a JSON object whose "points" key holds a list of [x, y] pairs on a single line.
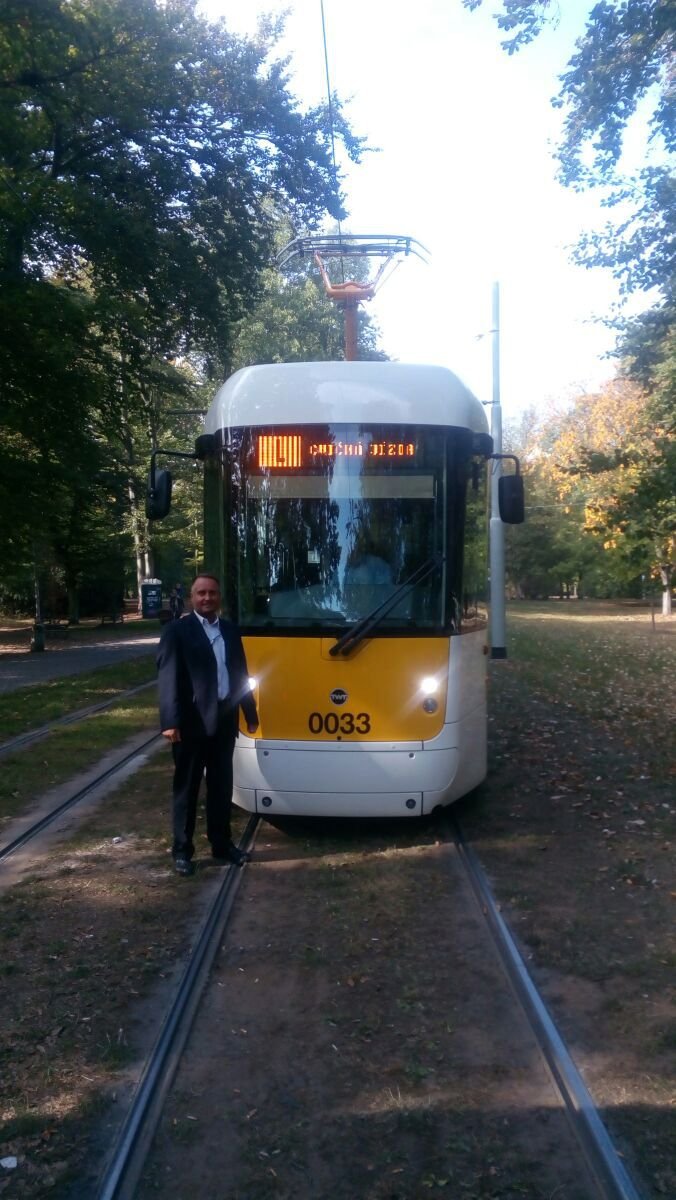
{"points": [[511, 499], [158, 497], [205, 446]]}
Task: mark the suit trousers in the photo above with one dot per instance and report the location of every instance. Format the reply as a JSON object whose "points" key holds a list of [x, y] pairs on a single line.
{"points": [[193, 758]]}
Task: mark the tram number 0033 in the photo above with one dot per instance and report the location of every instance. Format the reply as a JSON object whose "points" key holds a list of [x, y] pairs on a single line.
{"points": [[333, 723]]}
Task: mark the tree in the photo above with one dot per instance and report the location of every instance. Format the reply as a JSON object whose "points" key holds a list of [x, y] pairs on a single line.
{"points": [[48, 464], [613, 444], [624, 58], [647, 350], [294, 321], [625, 55], [155, 149], [648, 347], [549, 554], [626, 50], [145, 158]]}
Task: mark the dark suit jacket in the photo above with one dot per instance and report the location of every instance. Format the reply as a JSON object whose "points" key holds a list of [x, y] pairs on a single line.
{"points": [[188, 679]]}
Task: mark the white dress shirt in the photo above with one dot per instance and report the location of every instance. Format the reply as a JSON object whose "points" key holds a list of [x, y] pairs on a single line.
{"points": [[213, 632]]}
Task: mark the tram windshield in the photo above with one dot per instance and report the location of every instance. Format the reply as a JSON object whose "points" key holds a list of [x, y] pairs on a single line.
{"points": [[327, 522]]}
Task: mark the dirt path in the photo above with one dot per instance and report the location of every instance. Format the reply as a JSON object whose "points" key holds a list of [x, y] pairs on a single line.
{"points": [[22, 863], [19, 668], [356, 1067], [576, 826], [358, 1040]]}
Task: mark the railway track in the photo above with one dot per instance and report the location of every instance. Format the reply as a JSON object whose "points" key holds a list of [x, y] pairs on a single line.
{"points": [[603, 1161], [34, 735], [136, 1135], [30, 832], [602, 1164]]}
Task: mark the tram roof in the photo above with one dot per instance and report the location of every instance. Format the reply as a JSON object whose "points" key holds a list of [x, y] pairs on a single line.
{"points": [[350, 392]]}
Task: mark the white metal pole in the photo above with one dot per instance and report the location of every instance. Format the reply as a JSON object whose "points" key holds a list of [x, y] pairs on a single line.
{"points": [[497, 529]]}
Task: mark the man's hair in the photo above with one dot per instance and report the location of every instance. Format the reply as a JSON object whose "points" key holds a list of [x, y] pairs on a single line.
{"points": [[206, 575]]}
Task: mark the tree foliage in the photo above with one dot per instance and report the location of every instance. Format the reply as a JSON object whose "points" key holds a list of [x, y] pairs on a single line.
{"points": [[615, 448], [294, 321], [626, 50], [521, 19], [153, 150], [625, 56], [549, 554], [619, 446], [647, 349], [146, 156]]}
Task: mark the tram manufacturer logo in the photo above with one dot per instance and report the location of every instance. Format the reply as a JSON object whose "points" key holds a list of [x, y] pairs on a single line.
{"points": [[338, 696]]}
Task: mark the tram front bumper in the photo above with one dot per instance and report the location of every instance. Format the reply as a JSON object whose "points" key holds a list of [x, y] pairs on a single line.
{"points": [[356, 780]]}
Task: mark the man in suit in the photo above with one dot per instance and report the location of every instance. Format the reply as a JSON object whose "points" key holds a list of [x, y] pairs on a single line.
{"points": [[203, 681]]}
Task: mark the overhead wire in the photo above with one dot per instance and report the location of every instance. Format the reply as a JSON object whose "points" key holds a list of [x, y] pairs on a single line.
{"points": [[331, 123]]}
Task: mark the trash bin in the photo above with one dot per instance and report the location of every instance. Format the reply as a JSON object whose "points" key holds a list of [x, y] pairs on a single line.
{"points": [[151, 597]]}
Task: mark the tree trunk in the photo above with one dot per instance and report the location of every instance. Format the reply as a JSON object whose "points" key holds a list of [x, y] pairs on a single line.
{"points": [[73, 605], [666, 571], [13, 262], [140, 550]]}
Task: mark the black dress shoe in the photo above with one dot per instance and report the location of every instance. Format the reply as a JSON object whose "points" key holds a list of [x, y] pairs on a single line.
{"points": [[232, 854], [183, 866]]}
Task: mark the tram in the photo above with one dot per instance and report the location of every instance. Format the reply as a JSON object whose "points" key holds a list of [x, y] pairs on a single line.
{"points": [[346, 517]]}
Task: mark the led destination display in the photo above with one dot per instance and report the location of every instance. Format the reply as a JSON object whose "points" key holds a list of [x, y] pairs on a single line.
{"points": [[323, 450], [290, 451]]}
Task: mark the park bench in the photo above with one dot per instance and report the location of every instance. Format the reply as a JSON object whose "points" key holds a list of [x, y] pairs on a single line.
{"points": [[55, 628], [114, 617]]}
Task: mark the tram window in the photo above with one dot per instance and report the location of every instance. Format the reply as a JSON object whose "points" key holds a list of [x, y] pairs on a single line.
{"points": [[312, 572], [342, 487], [474, 613], [330, 539]]}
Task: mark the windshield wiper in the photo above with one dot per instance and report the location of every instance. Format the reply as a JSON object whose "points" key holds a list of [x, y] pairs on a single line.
{"points": [[358, 632]]}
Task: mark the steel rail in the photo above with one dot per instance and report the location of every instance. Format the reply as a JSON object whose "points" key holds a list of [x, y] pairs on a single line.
{"points": [[44, 822], [133, 1143], [33, 735], [599, 1153]]}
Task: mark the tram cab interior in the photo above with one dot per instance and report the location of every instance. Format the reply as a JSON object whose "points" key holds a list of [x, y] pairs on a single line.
{"points": [[328, 543]]}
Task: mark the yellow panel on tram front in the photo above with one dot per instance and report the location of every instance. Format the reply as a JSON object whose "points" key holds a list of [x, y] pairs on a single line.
{"points": [[375, 694]]}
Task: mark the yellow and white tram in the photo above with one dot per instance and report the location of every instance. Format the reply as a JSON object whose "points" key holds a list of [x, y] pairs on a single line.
{"points": [[341, 516]]}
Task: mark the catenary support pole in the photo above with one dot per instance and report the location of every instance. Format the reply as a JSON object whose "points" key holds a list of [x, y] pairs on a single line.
{"points": [[497, 529], [38, 635], [351, 341]]}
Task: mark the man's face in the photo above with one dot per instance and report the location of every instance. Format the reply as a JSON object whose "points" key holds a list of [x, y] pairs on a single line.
{"points": [[206, 597]]}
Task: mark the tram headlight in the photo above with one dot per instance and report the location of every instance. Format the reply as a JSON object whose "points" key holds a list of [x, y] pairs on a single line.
{"points": [[429, 685]]}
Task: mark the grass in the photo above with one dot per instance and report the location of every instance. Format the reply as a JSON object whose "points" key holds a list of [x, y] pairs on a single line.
{"points": [[30, 707], [604, 665], [101, 925], [576, 826], [69, 750], [93, 932]]}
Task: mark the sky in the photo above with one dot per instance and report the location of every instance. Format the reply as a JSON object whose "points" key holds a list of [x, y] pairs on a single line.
{"points": [[464, 164]]}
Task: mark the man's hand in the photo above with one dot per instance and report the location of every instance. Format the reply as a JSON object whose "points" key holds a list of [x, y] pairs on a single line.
{"points": [[172, 735], [252, 726]]}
